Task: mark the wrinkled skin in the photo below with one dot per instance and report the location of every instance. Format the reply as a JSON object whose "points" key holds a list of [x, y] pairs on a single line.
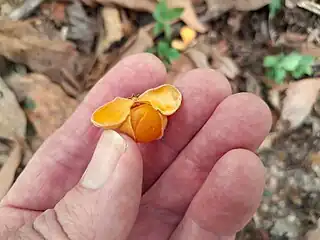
{"points": [[201, 181]]}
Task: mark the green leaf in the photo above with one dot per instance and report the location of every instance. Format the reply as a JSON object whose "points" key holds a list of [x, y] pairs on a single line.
{"points": [[306, 63], [307, 60], [158, 28], [308, 70], [279, 75], [167, 31], [267, 193], [270, 73], [172, 14], [172, 54], [291, 61], [160, 10], [274, 7], [298, 72], [302, 70], [270, 61], [162, 48]]}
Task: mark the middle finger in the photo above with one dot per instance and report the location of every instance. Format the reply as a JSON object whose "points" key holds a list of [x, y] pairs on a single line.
{"points": [[202, 91]]}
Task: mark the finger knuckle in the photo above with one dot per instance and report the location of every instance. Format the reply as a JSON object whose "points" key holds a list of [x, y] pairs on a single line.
{"points": [[75, 220], [48, 226]]}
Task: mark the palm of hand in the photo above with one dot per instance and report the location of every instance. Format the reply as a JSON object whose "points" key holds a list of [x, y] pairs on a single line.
{"points": [[201, 181]]}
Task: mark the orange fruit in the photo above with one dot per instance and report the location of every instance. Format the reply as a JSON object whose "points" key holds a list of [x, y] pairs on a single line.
{"points": [[143, 118]]}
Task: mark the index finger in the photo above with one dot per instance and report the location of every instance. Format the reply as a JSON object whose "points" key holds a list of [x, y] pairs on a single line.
{"points": [[60, 162]]}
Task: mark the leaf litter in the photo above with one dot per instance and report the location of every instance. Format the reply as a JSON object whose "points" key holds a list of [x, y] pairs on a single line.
{"points": [[53, 53], [13, 125]]}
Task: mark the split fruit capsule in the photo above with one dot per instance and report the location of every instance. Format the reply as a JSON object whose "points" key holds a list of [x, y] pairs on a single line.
{"points": [[144, 118]]}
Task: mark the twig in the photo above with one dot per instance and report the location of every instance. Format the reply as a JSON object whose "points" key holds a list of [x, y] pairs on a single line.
{"points": [[25, 10], [310, 6]]}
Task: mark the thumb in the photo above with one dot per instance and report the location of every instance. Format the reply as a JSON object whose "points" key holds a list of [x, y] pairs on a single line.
{"points": [[105, 203]]}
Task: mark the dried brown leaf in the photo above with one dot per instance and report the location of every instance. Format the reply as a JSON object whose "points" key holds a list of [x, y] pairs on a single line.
{"points": [[241, 5], [8, 170], [137, 43], [198, 57], [128, 27], [252, 84], [52, 105], [55, 11], [140, 5], [99, 68], [113, 31], [142, 42], [81, 28], [315, 233], [12, 129], [224, 64], [189, 15], [22, 43], [299, 100], [12, 119], [46, 104]]}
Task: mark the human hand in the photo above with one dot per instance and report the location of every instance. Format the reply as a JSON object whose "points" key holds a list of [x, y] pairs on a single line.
{"points": [[201, 181]]}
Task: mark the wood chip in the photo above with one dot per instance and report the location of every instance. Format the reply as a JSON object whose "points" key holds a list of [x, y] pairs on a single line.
{"points": [[8, 170], [299, 100], [113, 31]]}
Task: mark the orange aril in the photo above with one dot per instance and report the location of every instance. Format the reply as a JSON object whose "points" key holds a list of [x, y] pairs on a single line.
{"points": [[143, 118], [187, 35]]}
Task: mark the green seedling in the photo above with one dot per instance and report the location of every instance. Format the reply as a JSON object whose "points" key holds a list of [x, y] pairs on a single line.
{"points": [[267, 193], [295, 64], [274, 8], [165, 52], [163, 17]]}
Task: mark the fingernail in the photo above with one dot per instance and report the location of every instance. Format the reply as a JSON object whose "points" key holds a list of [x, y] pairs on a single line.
{"points": [[105, 159]]}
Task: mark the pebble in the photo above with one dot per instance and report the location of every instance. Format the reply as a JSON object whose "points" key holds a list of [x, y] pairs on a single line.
{"points": [[294, 188], [316, 169], [264, 207]]}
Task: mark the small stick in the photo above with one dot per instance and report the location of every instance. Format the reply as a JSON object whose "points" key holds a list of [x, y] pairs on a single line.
{"points": [[25, 10], [310, 6]]}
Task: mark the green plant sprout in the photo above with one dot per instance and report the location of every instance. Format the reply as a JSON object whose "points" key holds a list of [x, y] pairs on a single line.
{"points": [[274, 8], [163, 17], [294, 63]]}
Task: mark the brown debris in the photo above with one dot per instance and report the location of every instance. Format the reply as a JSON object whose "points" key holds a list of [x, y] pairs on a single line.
{"points": [[12, 131], [81, 29], [218, 7], [45, 103], [137, 44], [139, 5], [189, 16], [20, 42], [55, 11], [8, 170], [12, 119], [112, 31], [198, 58], [299, 100]]}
